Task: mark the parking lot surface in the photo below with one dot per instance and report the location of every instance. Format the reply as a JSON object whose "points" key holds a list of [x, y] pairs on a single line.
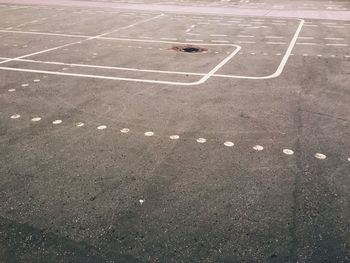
{"points": [[174, 131]]}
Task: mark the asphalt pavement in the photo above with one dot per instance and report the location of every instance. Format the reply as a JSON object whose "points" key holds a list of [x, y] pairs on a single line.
{"points": [[174, 131]]}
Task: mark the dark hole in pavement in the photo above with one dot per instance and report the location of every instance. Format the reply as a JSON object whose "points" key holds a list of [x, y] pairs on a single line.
{"points": [[189, 49]]}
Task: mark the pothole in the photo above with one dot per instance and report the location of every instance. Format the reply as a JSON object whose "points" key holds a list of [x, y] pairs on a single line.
{"points": [[189, 49]]}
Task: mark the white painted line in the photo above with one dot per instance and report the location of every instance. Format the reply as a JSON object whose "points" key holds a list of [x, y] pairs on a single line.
{"points": [[278, 24], [338, 45], [336, 26], [245, 36], [246, 42], [193, 34], [274, 37], [190, 28], [174, 137], [109, 67], [306, 37], [276, 43], [219, 41], [84, 40], [170, 39], [43, 33], [306, 43], [334, 38], [217, 35], [194, 40], [101, 127], [204, 78], [284, 60]]}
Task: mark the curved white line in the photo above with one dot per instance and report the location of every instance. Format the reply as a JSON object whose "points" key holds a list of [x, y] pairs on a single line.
{"points": [[281, 66]]}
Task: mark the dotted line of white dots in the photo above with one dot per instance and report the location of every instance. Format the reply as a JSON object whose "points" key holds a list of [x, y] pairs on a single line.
{"points": [[257, 148]]}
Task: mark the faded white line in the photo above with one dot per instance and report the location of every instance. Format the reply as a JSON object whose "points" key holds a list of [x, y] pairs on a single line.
{"points": [[338, 45], [200, 81], [276, 43], [306, 43], [84, 40], [284, 60], [334, 38], [245, 36]]}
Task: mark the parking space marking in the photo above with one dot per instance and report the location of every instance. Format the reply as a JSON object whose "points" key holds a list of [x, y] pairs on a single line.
{"points": [[338, 45], [84, 40], [284, 60], [202, 80]]}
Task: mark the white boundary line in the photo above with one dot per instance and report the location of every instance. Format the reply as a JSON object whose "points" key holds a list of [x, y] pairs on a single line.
{"points": [[105, 67], [84, 40], [283, 63], [202, 80]]}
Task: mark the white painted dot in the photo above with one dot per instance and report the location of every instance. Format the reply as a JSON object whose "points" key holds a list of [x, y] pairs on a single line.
{"points": [[201, 140], [15, 116], [80, 124], [349, 159], [174, 137], [11, 90], [57, 122], [124, 130], [258, 148], [36, 80], [149, 133], [101, 127], [25, 85], [320, 156], [35, 119], [229, 144], [288, 151], [141, 201]]}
